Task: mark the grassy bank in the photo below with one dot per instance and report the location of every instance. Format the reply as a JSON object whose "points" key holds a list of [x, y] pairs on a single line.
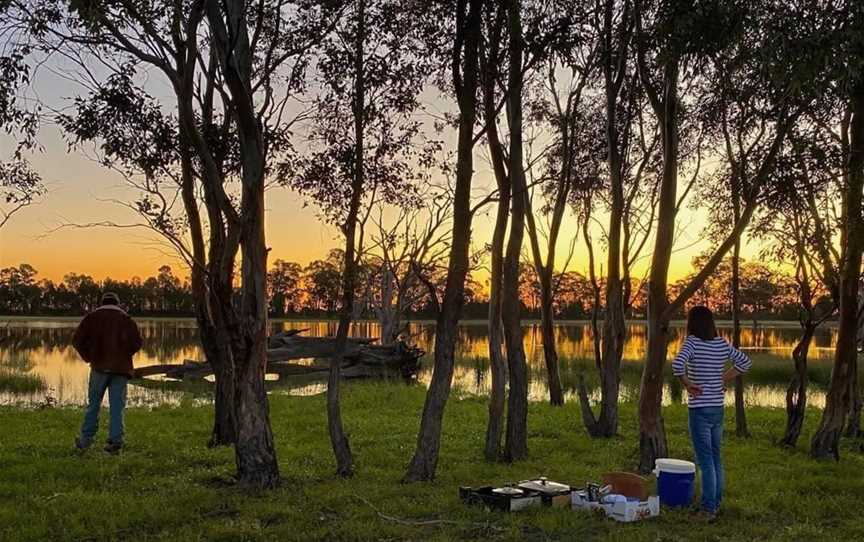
{"points": [[168, 486], [12, 381]]}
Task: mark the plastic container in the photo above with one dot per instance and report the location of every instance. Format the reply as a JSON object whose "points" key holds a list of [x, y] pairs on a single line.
{"points": [[675, 481]]}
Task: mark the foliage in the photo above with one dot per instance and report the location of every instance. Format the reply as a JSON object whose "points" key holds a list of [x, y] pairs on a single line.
{"points": [[20, 184], [314, 290], [379, 46]]}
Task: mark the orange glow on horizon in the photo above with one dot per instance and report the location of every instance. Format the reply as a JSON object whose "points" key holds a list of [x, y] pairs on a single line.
{"points": [[80, 190]]}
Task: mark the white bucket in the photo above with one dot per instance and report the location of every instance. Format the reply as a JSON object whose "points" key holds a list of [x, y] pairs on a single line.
{"points": [[674, 466]]}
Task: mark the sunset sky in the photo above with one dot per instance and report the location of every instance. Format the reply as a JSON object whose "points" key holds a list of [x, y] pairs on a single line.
{"points": [[79, 188]]}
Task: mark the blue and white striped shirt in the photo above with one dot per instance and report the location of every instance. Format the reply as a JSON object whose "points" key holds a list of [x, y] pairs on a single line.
{"points": [[704, 363]]}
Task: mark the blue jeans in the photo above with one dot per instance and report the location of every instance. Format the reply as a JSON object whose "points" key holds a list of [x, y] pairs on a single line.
{"points": [[116, 386], [706, 431]]}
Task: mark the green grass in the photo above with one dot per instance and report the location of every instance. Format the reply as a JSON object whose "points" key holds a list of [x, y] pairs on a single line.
{"points": [[168, 486], [16, 382]]}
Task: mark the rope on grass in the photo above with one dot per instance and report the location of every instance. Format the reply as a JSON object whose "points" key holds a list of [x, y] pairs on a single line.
{"points": [[428, 522]]}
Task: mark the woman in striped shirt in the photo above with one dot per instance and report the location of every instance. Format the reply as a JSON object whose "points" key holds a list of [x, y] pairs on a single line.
{"points": [[701, 367]]}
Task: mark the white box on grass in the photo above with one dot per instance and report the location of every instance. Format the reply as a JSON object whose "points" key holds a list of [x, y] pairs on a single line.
{"points": [[624, 511]]}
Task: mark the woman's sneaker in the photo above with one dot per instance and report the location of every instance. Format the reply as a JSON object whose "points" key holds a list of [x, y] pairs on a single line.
{"points": [[82, 444], [113, 448]]}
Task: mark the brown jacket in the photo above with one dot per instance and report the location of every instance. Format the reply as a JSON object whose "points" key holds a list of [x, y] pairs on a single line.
{"points": [[107, 338]]}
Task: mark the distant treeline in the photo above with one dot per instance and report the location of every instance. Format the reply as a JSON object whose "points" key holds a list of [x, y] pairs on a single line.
{"points": [[313, 291]]}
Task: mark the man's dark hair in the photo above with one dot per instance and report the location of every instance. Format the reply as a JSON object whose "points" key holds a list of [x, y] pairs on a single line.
{"points": [[700, 323]]}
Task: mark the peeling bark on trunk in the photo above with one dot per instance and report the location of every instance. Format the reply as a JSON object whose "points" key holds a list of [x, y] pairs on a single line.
{"points": [[465, 78], [516, 440], [796, 393], [652, 436], [217, 352], [853, 426], [825, 442], [255, 453]]}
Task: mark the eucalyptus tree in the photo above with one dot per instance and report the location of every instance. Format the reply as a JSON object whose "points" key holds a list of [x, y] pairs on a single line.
{"points": [[624, 186], [799, 225], [492, 57], [516, 435], [405, 254], [465, 27], [614, 23], [573, 59], [230, 89], [674, 42], [847, 38], [366, 148], [156, 152], [549, 27]]}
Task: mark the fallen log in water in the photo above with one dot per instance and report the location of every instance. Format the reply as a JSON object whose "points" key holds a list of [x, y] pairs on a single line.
{"points": [[297, 347], [363, 359]]}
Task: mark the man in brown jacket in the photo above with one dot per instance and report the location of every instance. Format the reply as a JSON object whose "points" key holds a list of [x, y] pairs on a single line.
{"points": [[107, 338]]}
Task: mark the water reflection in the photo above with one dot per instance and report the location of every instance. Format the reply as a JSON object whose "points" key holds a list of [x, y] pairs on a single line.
{"points": [[43, 347]]}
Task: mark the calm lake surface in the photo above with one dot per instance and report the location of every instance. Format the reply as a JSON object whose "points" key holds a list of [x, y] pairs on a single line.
{"points": [[41, 347]]}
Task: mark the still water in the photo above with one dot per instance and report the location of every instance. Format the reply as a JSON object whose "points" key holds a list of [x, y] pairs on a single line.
{"points": [[41, 347]]}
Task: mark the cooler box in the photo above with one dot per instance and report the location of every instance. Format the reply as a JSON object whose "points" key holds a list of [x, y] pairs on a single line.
{"points": [[675, 481]]}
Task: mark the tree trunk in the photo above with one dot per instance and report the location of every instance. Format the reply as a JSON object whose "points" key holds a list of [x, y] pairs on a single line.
{"points": [[740, 414], [853, 426], [826, 440], [497, 365], [595, 308], [387, 314], [516, 441], [614, 329], [205, 272], [652, 436], [608, 358], [255, 453], [217, 350], [338, 438], [796, 393], [613, 351], [550, 352], [425, 460]]}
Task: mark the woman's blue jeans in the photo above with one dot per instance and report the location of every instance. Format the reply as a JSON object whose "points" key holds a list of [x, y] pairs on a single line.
{"points": [[116, 386], [706, 431]]}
